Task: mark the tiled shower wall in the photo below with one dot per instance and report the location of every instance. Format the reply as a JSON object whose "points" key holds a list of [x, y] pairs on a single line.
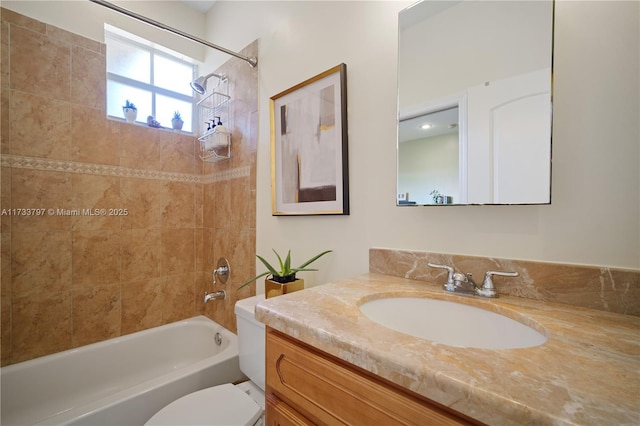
{"points": [[70, 280]]}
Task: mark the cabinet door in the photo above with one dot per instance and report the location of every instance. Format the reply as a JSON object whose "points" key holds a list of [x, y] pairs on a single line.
{"points": [[326, 390], [280, 414]]}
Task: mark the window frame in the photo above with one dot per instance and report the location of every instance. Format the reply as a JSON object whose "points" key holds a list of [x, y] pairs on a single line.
{"points": [[110, 33]]}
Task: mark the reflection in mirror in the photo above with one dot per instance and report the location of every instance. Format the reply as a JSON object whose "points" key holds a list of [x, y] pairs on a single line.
{"points": [[428, 153], [479, 73]]}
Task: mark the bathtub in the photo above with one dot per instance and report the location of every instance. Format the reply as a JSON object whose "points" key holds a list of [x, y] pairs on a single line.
{"points": [[122, 381]]}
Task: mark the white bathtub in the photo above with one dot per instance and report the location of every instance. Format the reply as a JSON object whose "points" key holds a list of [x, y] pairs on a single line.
{"points": [[122, 381]]}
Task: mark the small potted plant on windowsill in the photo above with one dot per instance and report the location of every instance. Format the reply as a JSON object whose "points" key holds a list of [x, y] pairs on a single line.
{"points": [[283, 281], [130, 111], [176, 121]]}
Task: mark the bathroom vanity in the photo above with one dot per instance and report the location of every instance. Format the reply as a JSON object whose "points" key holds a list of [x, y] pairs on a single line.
{"points": [[327, 363], [305, 386]]}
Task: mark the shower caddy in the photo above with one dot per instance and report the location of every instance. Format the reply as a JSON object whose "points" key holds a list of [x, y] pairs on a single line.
{"points": [[215, 139]]}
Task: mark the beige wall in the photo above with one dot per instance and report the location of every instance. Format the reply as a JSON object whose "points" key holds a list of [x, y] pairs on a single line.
{"points": [[66, 15], [595, 214], [70, 280]]}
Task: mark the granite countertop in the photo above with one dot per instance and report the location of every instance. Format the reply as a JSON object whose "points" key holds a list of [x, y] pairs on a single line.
{"points": [[588, 371]]}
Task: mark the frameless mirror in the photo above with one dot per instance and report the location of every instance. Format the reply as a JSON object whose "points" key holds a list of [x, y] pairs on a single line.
{"points": [[474, 99]]}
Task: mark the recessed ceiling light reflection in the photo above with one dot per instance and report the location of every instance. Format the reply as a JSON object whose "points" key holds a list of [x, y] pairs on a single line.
{"points": [[425, 126]]}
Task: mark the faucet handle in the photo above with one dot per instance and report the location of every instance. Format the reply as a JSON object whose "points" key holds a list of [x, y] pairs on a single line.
{"points": [[222, 271], [449, 285], [488, 289]]}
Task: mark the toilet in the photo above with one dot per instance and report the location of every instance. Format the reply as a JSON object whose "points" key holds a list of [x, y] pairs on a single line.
{"points": [[242, 404]]}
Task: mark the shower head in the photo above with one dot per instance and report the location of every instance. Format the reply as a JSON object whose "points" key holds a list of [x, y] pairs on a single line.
{"points": [[199, 85]]}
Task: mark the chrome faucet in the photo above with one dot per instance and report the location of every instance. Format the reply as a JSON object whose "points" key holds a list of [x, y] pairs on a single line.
{"points": [[221, 271], [216, 295], [461, 283]]}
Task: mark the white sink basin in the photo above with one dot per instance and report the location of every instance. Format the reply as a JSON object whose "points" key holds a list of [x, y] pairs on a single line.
{"points": [[450, 323]]}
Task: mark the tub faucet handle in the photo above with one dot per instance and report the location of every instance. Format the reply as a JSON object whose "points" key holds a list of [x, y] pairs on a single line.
{"points": [[222, 271]]}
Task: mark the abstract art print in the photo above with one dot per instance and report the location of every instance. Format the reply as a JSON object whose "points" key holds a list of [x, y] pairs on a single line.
{"points": [[309, 156]]}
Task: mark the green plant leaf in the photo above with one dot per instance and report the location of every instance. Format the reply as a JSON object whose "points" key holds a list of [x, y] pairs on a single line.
{"points": [[313, 259], [287, 265], [281, 273], [253, 279], [268, 265]]}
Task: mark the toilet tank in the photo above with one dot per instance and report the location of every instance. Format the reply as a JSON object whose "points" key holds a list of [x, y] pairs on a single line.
{"points": [[251, 340]]}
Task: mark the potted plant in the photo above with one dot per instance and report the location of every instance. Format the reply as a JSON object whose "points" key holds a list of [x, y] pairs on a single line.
{"points": [[130, 111], [284, 280], [176, 121]]}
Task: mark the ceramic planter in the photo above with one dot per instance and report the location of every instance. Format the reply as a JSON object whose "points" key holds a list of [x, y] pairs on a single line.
{"points": [[177, 123], [273, 288], [130, 114]]}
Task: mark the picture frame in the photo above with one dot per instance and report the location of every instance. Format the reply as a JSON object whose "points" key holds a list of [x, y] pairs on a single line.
{"points": [[309, 147]]}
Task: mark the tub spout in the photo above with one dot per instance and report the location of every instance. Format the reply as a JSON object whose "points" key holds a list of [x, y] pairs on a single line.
{"points": [[216, 295]]}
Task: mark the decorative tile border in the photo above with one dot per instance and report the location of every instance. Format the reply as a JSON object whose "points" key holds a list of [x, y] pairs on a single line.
{"points": [[34, 163], [235, 173], [593, 287]]}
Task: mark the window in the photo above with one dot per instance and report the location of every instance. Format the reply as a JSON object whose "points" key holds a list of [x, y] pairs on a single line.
{"points": [[153, 78]]}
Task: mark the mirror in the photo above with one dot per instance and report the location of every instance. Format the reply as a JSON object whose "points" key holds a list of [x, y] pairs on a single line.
{"points": [[474, 102]]}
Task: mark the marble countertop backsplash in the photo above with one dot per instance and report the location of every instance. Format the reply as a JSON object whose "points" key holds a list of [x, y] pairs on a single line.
{"points": [[587, 373], [603, 288]]}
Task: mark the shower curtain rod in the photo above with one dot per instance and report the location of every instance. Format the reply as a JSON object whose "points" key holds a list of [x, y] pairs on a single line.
{"points": [[253, 61]]}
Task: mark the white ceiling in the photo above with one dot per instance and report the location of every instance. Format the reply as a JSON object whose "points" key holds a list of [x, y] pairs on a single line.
{"points": [[200, 5], [441, 122]]}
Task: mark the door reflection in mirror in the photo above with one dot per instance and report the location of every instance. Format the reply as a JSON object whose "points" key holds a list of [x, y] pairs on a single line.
{"points": [[491, 62]]}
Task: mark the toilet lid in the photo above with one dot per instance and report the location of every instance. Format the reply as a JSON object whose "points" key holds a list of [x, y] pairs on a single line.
{"points": [[224, 405]]}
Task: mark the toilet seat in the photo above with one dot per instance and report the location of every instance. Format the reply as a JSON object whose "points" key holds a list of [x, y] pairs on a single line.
{"points": [[220, 405]]}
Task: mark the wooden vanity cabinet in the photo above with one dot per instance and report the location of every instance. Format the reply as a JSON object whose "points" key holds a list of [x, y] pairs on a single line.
{"points": [[306, 387]]}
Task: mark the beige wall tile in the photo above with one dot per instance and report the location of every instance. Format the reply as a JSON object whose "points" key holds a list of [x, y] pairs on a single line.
{"points": [[178, 205], [209, 236], [50, 75], [5, 252], [40, 262], [141, 198], [177, 153], [4, 55], [209, 204], [179, 297], [40, 126], [40, 190], [92, 193], [94, 138], [41, 325], [5, 330], [141, 254], [222, 207], [96, 314], [178, 251], [139, 147], [96, 258], [199, 205], [88, 78], [142, 303], [5, 198], [5, 120]]}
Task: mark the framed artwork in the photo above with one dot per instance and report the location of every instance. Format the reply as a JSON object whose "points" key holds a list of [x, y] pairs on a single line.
{"points": [[309, 155]]}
